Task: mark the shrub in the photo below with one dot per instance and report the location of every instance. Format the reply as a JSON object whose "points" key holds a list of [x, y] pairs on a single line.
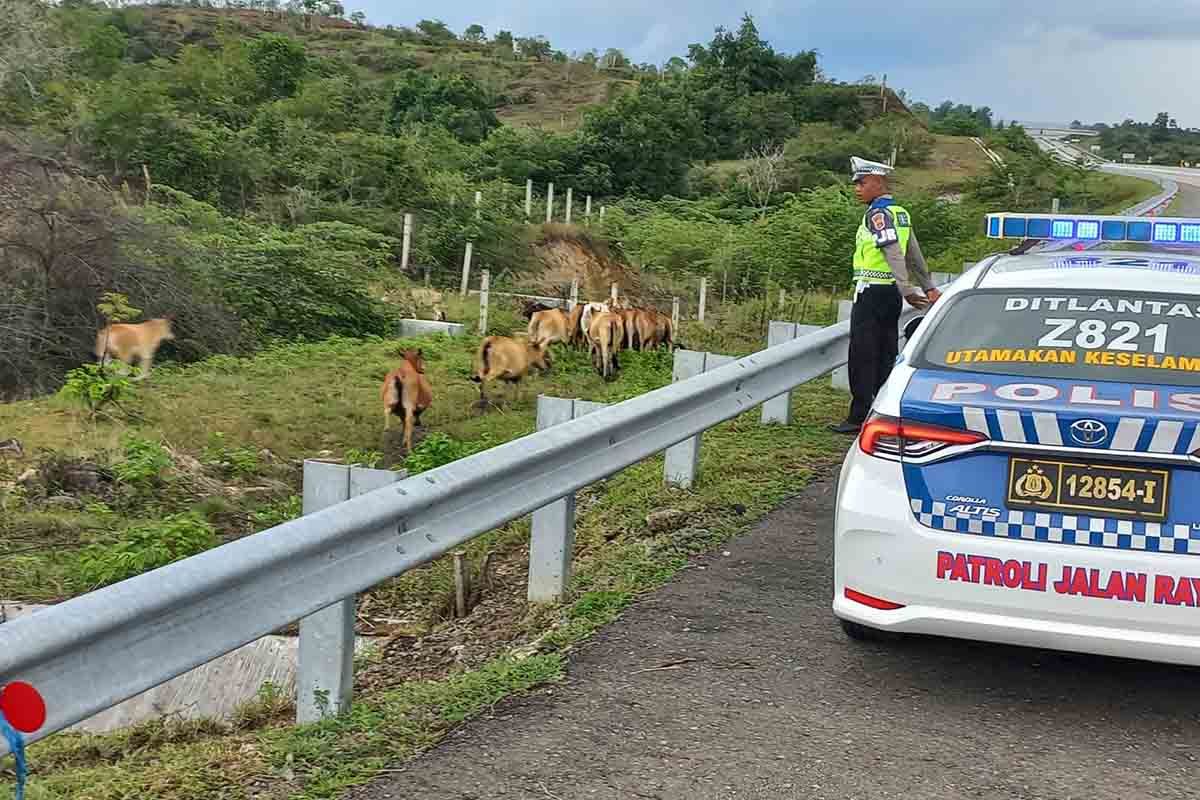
{"points": [[438, 449], [142, 548], [143, 464]]}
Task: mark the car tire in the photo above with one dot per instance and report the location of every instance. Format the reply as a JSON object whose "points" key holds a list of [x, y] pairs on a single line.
{"points": [[861, 633]]}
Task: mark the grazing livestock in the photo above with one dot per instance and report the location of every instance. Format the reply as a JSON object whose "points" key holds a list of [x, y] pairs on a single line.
{"points": [[590, 309], [575, 330], [549, 326], [507, 359], [654, 329], [629, 317], [604, 338], [128, 341], [406, 393], [531, 307]]}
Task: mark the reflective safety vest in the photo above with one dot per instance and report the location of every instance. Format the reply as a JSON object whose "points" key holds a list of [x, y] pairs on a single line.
{"points": [[870, 265]]}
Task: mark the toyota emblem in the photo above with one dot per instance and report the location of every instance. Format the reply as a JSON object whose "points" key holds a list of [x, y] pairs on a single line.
{"points": [[1089, 432]]}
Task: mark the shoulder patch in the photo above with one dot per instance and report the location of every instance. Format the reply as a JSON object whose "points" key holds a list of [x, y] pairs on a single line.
{"points": [[881, 224]]}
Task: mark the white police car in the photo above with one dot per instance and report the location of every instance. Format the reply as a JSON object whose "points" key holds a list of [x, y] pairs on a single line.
{"points": [[1030, 473]]}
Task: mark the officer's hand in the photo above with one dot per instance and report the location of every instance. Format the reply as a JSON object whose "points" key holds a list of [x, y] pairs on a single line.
{"points": [[932, 295], [916, 300]]}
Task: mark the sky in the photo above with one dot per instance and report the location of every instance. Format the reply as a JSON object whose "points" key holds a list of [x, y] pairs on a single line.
{"points": [[1043, 61]]}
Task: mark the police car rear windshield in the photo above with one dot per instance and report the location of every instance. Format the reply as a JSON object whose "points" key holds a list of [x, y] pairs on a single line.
{"points": [[1086, 335]]}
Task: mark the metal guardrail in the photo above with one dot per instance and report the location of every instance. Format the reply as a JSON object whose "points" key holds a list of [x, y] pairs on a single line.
{"points": [[96, 650]]}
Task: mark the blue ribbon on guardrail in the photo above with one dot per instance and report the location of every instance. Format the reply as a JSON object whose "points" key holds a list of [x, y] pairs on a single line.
{"points": [[16, 745]]}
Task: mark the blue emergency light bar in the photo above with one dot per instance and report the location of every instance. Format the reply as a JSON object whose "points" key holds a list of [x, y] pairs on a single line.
{"points": [[1094, 228]]}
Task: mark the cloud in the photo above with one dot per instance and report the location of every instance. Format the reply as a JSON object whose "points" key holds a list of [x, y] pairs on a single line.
{"points": [[1094, 60]]}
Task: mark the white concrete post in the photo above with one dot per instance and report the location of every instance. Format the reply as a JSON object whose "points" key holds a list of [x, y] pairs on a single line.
{"points": [[569, 203], [613, 292], [466, 272], [682, 461], [1054, 206], [406, 247], [782, 297], [484, 280], [574, 294], [550, 203], [841, 375], [703, 298], [325, 674], [587, 210], [552, 540], [779, 409], [675, 312], [478, 200], [528, 199], [601, 213]]}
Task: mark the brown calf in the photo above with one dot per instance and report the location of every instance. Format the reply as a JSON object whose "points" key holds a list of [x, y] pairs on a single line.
{"points": [[605, 332], [507, 359], [406, 393], [549, 326], [128, 342]]}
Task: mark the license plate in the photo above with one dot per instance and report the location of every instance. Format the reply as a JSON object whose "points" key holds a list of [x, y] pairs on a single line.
{"points": [[1106, 489]]}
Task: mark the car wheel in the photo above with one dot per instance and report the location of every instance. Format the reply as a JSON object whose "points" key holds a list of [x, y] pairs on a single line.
{"points": [[861, 633]]}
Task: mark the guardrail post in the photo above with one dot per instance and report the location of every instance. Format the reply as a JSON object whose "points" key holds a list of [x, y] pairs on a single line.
{"points": [[552, 541], [326, 659], [703, 298], [528, 198], [485, 278], [550, 203], [570, 202], [682, 461], [841, 375], [675, 312], [779, 409]]}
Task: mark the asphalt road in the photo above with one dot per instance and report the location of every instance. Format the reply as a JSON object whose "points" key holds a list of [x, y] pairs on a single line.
{"points": [[735, 681]]}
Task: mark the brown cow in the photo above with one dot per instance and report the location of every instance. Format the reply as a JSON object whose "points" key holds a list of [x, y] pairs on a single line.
{"points": [[549, 326], [605, 333], [507, 359], [128, 341], [406, 393], [654, 329], [575, 332]]}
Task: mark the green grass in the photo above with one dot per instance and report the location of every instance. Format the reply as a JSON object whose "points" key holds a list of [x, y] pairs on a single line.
{"points": [[746, 470]]}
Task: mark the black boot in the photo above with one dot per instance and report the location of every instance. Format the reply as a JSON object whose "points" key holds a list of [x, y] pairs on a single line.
{"points": [[846, 427]]}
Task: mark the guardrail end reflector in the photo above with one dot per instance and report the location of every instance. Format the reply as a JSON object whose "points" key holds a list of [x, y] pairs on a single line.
{"points": [[23, 706]]}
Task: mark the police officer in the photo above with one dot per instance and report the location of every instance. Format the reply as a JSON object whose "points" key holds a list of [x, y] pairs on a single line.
{"points": [[886, 254]]}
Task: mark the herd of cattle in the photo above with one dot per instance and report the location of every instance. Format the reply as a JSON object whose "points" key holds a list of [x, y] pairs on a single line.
{"points": [[605, 328]]}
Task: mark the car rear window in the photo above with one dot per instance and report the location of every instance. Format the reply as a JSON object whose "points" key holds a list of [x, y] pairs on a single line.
{"points": [[1091, 335]]}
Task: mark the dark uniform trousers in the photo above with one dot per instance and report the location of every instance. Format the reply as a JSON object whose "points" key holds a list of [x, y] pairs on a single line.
{"points": [[874, 345]]}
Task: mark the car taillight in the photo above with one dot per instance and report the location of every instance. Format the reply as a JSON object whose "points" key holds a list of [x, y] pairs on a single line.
{"points": [[886, 437]]}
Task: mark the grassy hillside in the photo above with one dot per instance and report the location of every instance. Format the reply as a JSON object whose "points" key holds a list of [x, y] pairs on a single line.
{"points": [[527, 92]]}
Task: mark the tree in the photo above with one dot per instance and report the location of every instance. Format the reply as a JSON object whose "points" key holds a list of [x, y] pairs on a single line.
{"points": [[474, 33], [614, 59], [535, 47], [280, 62], [762, 174], [454, 101], [436, 30], [359, 19], [29, 50]]}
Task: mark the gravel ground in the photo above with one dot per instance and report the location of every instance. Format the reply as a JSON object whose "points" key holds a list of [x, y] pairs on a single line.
{"points": [[735, 681]]}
